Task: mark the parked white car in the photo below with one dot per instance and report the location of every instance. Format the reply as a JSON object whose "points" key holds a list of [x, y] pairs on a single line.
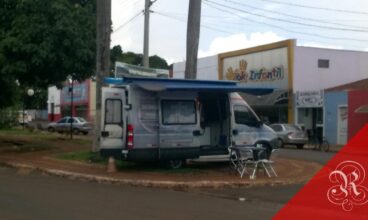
{"points": [[79, 125]]}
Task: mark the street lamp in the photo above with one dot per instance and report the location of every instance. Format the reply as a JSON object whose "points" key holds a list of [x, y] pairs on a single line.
{"points": [[30, 92], [71, 85]]}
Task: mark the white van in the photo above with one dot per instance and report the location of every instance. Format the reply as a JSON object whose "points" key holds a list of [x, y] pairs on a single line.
{"points": [[170, 120]]}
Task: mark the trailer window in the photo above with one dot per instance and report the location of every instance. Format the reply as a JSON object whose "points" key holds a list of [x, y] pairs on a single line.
{"points": [[178, 112], [113, 111], [243, 115]]}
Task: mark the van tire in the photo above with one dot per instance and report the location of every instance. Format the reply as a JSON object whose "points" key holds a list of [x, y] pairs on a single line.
{"points": [[280, 143], [175, 164], [51, 129]]}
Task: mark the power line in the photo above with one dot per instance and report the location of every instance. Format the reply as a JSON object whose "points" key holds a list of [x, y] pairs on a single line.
{"points": [[287, 21], [287, 30], [182, 20], [127, 22], [283, 29], [178, 18], [294, 16], [314, 7]]}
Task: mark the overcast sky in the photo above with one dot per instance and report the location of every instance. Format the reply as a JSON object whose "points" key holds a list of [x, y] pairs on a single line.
{"points": [[236, 24]]}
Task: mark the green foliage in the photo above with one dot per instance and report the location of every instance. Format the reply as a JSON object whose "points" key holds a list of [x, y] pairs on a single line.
{"points": [[117, 54], [8, 117], [157, 62], [41, 42]]}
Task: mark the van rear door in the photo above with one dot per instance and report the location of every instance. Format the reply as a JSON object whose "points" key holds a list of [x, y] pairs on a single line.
{"points": [[113, 126]]}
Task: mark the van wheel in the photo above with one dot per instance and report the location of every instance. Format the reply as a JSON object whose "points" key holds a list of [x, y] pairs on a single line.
{"points": [[175, 164], [280, 143], [51, 129]]}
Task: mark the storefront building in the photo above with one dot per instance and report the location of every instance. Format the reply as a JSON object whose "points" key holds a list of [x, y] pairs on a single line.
{"points": [[346, 111], [266, 66], [60, 100], [298, 74], [357, 111]]}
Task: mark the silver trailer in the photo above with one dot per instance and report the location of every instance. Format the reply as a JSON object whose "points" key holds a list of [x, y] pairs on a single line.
{"points": [[170, 120]]}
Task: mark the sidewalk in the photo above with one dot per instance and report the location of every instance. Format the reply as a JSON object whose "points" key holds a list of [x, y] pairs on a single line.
{"points": [[213, 175]]}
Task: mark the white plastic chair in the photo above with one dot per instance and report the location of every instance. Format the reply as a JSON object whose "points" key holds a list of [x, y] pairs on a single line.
{"points": [[242, 158], [267, 165]]}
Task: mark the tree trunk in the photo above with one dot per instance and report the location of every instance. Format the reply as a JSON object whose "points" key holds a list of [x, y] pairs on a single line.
{"points": [[102, 59], [193, 30]]}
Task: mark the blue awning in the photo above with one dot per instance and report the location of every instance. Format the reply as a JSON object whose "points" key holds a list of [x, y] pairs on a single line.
{"points": [[159, 84]]}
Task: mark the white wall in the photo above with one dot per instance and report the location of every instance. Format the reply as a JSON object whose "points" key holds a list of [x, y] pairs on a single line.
{"points": [[207, 68], [345, 67], [53, 96]]}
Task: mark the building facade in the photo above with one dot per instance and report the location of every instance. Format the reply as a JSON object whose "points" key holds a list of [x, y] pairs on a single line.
{"points": [[84, 100], [299, 76]]}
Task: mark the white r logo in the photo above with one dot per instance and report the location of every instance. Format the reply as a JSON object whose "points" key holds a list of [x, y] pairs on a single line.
{"points": [[348, 190]]}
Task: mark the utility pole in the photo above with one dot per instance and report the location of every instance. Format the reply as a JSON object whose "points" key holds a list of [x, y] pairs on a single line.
{"points": [[147, 12], [103, 27], [193, 29]]}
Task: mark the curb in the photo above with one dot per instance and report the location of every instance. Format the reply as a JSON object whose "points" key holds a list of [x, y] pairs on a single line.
{"points": [[176, 185]]}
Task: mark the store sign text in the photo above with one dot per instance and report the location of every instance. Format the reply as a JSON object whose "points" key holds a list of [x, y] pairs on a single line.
{"points": [[309, 98], [261, 75]]}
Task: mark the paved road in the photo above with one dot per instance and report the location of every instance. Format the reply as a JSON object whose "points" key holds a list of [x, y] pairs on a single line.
{"points": [[307, 154], [35, 196]]}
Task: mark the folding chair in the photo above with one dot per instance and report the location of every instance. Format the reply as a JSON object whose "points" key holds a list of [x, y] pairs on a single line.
{"points": [[240, 157], [267, 165]]}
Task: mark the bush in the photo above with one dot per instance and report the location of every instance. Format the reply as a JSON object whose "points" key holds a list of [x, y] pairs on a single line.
{"points": [[8, 118]]}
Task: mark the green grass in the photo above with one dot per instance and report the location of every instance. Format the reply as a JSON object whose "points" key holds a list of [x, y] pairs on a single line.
{"points": [[29, 148], [18, 131], [22, 141], [88, 157]]}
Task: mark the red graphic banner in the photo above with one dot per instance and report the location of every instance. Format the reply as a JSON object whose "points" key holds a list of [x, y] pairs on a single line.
{"points": [[339, 190]]}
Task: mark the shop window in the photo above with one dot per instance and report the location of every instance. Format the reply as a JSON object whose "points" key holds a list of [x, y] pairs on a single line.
{"points": [[178, 112], [323, 63]]}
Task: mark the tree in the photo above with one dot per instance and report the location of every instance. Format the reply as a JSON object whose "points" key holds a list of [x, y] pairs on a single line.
{"points": [[103, 35], [193, 29], [117, 54], [158, 62], [41, 42]]}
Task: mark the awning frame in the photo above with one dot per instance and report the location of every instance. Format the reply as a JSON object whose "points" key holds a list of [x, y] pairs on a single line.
{"points": [[160, 84]]}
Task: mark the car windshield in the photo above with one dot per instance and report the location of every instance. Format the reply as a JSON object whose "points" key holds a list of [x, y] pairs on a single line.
{"points": [[292, 127], [81, 119]]}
